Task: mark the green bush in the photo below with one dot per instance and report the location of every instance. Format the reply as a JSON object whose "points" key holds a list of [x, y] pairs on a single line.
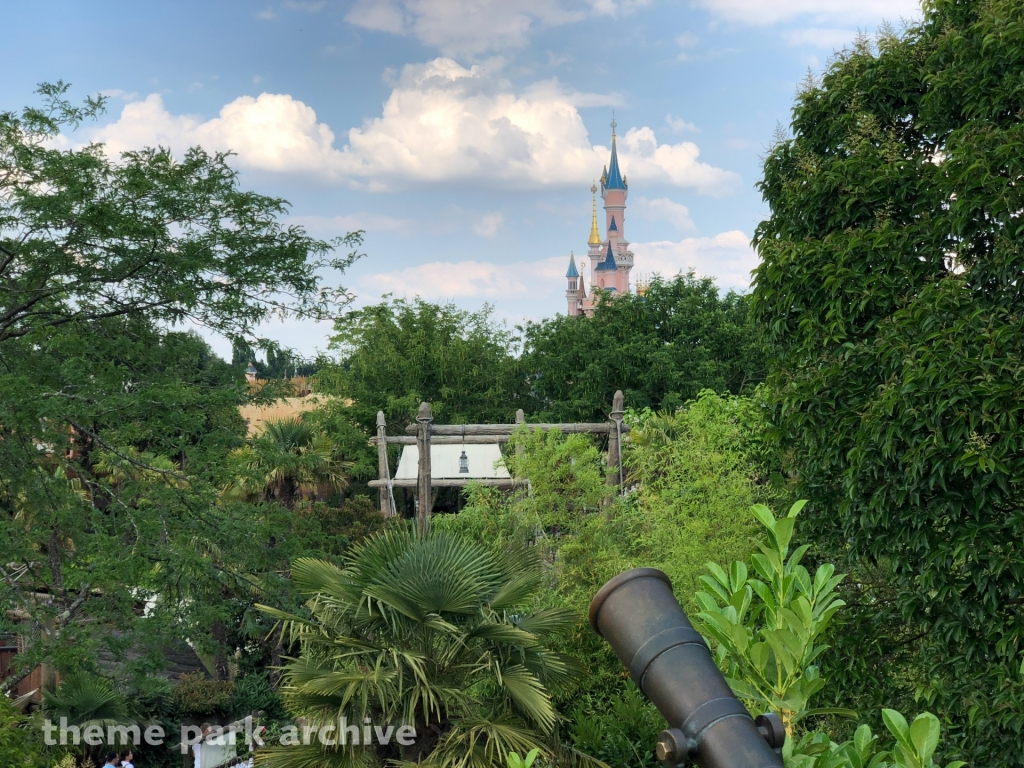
{"points": [[254, 693], [17, 748], [195, 694]]}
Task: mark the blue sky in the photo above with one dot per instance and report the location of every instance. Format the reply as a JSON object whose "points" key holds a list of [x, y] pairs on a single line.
{"points": [[462, 136]]}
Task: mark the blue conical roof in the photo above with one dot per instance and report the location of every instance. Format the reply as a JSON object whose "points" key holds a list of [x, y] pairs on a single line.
{"points": [[609, 260], [572, 268], [613, 178]]}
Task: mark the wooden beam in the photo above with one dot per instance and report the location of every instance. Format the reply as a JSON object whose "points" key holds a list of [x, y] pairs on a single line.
{"points": [[453, 482], [382, 465], [614, 440], [507, 429], [424, 492], [447, 440]]}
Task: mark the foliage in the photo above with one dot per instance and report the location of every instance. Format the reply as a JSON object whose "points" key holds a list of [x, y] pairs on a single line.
{"points": [[692, 476], [566, 474], [17, 748], [86, 699], [660, 349], [290, 462], [113, 425], [396, 354], [914, 748], [515, 761], [769, 631], [768, 637], [197, 694], [254, 693], [429, 632], [620, 732], [890, 300]]}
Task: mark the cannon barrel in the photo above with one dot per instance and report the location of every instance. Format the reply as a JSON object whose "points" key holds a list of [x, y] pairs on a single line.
{"points": [[667, 658]]}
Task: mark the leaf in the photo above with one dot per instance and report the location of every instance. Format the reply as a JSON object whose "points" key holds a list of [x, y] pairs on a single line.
{"points": [[897, 726], [797, 506], [863, 739], [924, 733]]}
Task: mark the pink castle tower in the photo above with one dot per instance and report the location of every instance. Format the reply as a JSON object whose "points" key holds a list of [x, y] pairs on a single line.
{"points": [[610, 259]]}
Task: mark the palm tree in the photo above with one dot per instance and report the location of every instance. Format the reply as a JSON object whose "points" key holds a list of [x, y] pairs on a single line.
{"points": [[288, 461], [86, 700], [428, 632]]}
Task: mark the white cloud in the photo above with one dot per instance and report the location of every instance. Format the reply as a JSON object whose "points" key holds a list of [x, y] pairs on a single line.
{"points": [[267, 14], [461, 28], [663, 209], [759, 12], [474, 27], [488, 224], [273, 132], [442, 123], [727, 257], [679, 125], [816, 37], [686, 41], [117, 93], [305, 7], [468, 279]]}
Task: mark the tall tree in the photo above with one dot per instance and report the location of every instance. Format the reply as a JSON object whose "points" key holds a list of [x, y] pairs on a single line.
{"points": [[660, 349], [114, 426], [890, 298], [396, 354]]}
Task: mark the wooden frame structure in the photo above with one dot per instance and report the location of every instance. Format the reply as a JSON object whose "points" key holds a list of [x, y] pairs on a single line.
{"points": [[424, 433]]}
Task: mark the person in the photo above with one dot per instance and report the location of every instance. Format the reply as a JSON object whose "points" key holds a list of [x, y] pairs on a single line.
{"points": [[110, 760], [126, 759], [197, 747]]}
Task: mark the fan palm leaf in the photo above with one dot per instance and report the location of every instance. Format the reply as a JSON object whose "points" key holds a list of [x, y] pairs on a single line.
{"points": [[431, 632]]}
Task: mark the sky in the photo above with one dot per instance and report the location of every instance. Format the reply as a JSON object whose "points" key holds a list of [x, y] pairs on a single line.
{"points": [[462, 137]]}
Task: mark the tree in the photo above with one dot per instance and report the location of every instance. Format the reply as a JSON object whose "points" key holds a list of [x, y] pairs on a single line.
{"points": [[768, 636], [114, 426], [430, 633], [660, 349], [290, 461], [394, 355], [890, 300]]}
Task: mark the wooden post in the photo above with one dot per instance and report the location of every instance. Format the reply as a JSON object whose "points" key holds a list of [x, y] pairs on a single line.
{"points": [[520, 419], [423, 419], [382, 465], [614, 441]]}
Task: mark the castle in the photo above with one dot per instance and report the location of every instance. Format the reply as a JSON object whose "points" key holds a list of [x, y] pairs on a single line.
{"points": [[610, 259]]}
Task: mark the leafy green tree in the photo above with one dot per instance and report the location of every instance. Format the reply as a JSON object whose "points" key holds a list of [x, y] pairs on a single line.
{"points": [[769, 630], [431, 633], [660, 349], [114, 426], [890, 299], [394, 355], [288, 462]]}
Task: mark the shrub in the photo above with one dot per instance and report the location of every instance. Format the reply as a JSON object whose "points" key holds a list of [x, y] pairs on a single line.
{"points": [[196, 694]]}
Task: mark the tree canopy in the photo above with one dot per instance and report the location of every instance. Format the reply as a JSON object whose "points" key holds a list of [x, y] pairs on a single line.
{"points": [[396, 354], [890, 298], [115, 419], [660, 349]]}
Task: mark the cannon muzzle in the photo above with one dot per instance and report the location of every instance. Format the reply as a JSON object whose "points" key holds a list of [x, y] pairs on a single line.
{"points": [[667, 658]]}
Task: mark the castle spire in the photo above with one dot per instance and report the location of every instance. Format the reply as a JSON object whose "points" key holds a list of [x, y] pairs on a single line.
{"points": [[595, 234], [613, 177]]}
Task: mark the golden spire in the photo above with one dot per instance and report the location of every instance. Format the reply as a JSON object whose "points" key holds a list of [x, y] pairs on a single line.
{"points": [[595, 234]]}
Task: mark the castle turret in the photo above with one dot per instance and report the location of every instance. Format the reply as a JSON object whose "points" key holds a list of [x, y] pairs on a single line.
{"points": [[575, 292]]}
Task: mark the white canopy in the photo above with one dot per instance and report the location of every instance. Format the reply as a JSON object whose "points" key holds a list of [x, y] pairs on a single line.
{"points": [[483, 460]]}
